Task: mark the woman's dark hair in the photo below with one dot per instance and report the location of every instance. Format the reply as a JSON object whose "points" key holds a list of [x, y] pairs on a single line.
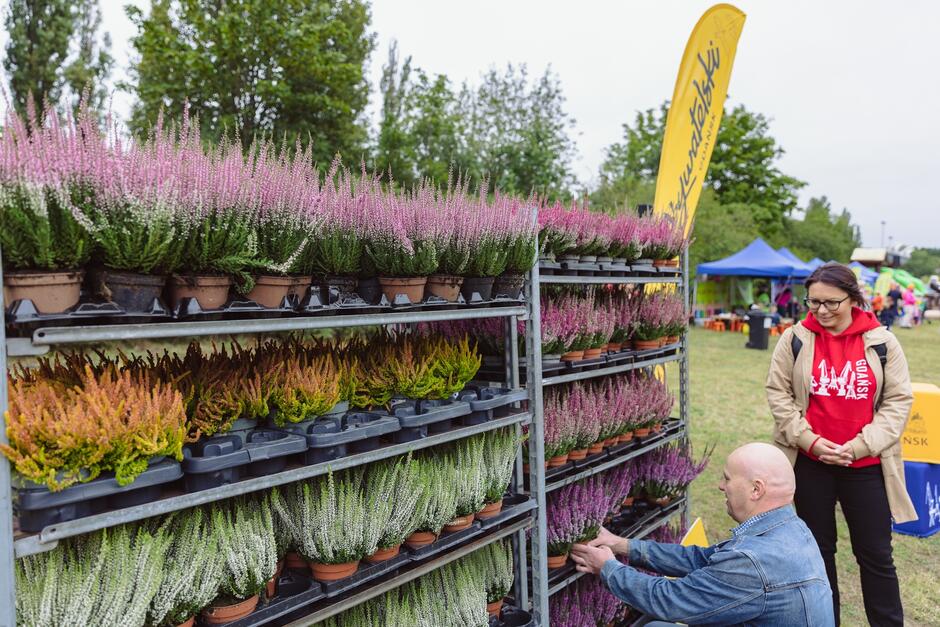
{"points": [[840, 276]]}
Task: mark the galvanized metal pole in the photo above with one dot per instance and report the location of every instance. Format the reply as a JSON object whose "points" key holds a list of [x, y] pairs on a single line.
{"points": [[537, 449], [520, 580], [7, 578]]}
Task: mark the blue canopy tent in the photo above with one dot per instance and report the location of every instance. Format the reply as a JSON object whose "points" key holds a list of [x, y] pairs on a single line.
{"points": [[865, 274], [804, 270], [757, 259], [815, 262]]}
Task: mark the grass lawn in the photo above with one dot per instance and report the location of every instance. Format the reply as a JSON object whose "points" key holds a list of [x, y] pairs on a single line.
{"points": [[729, 408]]}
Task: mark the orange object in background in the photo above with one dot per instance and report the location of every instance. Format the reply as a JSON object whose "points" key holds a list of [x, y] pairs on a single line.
{"points": [[921, 439]]}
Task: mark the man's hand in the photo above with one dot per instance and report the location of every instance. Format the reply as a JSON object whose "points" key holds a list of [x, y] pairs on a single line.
{"points": [[620, 546], [831, 453], [591, 559]]}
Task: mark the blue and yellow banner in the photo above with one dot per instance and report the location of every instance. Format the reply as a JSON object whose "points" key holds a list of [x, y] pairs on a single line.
{"points": [[695, 112]]}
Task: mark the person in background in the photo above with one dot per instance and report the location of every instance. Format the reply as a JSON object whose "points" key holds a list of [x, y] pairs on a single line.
{"points": [[877, 305], [786, 304], [909, 301], [769, 573], [840, 394], [763, 299], [933, 293], [892, 302]]}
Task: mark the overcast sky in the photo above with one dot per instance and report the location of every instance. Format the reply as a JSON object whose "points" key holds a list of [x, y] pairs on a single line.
{"points": [[851, 87]]}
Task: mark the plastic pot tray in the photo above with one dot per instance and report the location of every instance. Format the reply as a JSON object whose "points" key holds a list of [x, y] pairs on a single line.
{"points": [[190, 309], [487, 402], [38, 507], [294, 590], [512, 617], [513, 506], [23, 315], [591, 459], [224, 459], [446, 541], [336, 436], [366, 572], [418, 418]]}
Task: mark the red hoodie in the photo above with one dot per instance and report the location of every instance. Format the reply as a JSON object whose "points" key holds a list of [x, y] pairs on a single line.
{"points": [[843, 386]]}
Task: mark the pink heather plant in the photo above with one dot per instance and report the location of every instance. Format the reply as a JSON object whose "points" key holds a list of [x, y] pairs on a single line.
{"points": [[560, 428], [625, 237], [619, 484], [559, 329], [624, 308], [575, 514], [662, 237], [586, 415], [670, 533], [587, 603], [667, 471], [558, 229], [660, 314]]}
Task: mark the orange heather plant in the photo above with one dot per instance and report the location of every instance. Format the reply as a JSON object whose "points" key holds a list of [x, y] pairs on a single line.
{"points": [[61, 435], [307, 387]]}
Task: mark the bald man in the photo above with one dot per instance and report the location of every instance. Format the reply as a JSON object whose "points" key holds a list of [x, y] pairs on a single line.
{"points": [[769, 572]]}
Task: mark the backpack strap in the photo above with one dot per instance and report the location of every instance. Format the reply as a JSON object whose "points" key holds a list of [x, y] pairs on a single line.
{"points": [[882, 351], [796, 344]]}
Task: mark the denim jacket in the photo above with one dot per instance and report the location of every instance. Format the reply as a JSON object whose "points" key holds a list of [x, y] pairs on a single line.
{"points": [[769, 573]]}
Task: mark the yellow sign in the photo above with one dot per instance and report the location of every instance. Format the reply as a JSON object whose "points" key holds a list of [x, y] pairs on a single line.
{"points": [[921, 439], [695, 536], [695, 112]]}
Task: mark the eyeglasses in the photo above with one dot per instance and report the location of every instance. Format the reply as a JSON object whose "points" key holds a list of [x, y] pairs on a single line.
{"points": [[831, 305]]}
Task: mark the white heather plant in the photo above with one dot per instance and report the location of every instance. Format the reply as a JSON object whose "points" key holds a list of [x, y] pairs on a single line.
{"points": [[471, 476], [244, 530], [193, 569], [462, 585], [326, 517], [439, 476], [499, 457], [495, 564], [104, 578], [392, 492]]}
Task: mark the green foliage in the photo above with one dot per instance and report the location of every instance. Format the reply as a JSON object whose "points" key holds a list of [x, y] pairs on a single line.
{"points": [[499, 459], [244, 530], [391, 258], [223, 242], [923, 262], [720, 230], [137, 239], [495, 566], [488, 259], [393, 496], [334, 252], [260, 66], [38, 231], [822, 233], [520, 255], [93, 63]]}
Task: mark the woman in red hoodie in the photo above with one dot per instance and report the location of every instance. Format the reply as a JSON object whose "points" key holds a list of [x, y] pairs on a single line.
{"points": [[840, 393]]}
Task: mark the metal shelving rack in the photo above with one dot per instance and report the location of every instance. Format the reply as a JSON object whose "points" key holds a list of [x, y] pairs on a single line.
{"points": [[42, 339], [542, 589]]}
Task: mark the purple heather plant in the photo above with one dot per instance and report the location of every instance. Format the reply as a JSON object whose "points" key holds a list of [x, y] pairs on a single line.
{"points": [[575, 514], [668, 470], [587, 603]]}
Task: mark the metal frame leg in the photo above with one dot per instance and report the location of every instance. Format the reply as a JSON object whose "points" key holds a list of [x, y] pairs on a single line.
{"points": [[7, 573]]}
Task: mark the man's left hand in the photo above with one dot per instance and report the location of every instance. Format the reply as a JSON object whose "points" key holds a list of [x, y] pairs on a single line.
{"points": [[591, 559]]}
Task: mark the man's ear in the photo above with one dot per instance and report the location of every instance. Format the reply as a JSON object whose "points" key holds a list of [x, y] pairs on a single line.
{"points": [[758, 489]]}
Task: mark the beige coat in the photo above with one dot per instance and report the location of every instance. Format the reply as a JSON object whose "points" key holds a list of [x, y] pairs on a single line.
{"points": [[788, 388]]}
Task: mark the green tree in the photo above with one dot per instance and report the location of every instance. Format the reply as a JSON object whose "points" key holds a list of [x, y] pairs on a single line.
{"points": [[258, 66], [742, 169], [821, 233], [923, 262], [41, 34], [720, 229]]}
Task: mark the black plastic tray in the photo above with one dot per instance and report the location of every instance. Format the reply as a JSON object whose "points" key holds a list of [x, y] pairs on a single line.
{"points": [[419, 418], [366, 572], [224, 459], [446, 541], [22, 316], [294, 590], [38, 507], [234, 308], [488, 402], [512, 617], [586, 364], [334, 436], [591, 459], [513, 506]]}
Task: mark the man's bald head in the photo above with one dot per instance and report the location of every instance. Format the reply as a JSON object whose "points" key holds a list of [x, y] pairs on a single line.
{"points": [[758, 477]]}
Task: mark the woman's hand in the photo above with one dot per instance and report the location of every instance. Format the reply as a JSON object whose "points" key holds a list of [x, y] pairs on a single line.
{"points": [[829, 452]]}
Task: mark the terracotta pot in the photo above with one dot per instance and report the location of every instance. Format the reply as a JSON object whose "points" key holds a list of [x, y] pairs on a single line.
{"points": [[445, 286], [210, 291], [614, 347], [592, 353], [558, 460], [666, 263], [459, 524], [611, 441], [383, 555], [490, 509], [662, 342], [294, 561], [480, 285], [412, 288], [270, 290], [573, 356], [672, 339], [661, 502], [644, 345], [494, 608], [596, 448], [657, 427], [270, 588], [578, 454], [509, 285], [299, 285], [641, 432], [420, 538], [557, 561], [332, 572], [130, 290], [51, 292], [625, 437], [189, 623], [220, 614], [628, 501]]}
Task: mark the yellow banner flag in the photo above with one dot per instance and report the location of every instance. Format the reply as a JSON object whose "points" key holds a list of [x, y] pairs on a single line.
{"points": [[695, 112], [695, 536]]}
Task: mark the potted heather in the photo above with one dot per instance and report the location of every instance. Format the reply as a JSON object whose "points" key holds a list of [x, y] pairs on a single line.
{"points": [[521, 248], [588, 504], [328, 517], [499, 458], [450, 231], [622, 308], [496, 566], [593, 236], [587, 603], [625, 239], [392, 493], [557, 231], [648, 329], [488, 251], [558, 329], [303, 387], [586, 414], [188, 584], [468, 459], [599, 324], [675, 320], [666, 472], [244, 530], [559, 429], [665, 240], [438, 475]]}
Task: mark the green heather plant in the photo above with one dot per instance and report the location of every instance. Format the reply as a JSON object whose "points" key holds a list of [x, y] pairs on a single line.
{"points": [[244, 530], [439, 478], [327, 517], [464, 595], [499, 458], [495, 565], [193, 569], [468, 459], [520, 253], [488, 258], [392, 494], [104, 578], [38, 231]]}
